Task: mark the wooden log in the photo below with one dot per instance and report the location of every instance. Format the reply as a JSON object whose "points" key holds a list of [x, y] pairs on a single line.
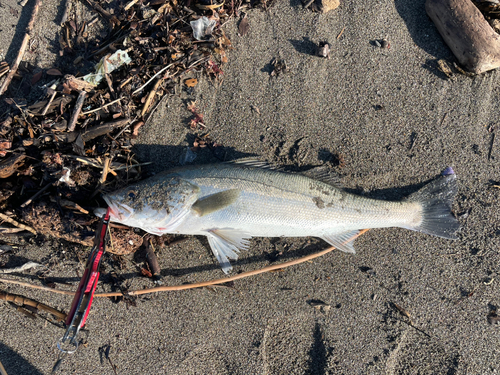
{"points": [[465, 30]]}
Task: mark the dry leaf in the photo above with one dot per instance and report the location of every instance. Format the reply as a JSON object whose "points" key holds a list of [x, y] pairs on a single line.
{"points": [[54, 72], [176, 56], [243, 26], [5, 144], [191, 82], [36, 77]]}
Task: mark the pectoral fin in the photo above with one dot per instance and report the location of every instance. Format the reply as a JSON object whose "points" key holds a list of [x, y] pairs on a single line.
{"points": [[342, 241], [215, 202], [226, 244]]}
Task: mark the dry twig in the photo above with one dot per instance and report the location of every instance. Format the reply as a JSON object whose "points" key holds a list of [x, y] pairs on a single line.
{"points": [[20, 301], [2, 370], [105, 169], [24, 45], [16, 224], [101, 107], [77, 110], [36, 195], [195, 285]]}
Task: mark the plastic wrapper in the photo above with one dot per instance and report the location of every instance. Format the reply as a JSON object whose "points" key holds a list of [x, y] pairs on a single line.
{"points": [[202, 27], [107, 65]]}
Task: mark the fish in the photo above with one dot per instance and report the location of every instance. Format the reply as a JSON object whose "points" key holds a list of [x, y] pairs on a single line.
{"points": [[232, 202]]}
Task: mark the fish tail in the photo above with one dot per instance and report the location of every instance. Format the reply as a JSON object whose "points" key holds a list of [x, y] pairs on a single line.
{"points": [[436, 198]]}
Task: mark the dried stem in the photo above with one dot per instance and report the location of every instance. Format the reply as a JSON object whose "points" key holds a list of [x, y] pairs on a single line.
{"points": [[24, 45], [196, 285], [16, 224], [2, 370], [101, 107], [49, 103], [36, 195], [20, 300], [150, 97], [77, 110], [105, 169], [152, 78], [129, 5]]}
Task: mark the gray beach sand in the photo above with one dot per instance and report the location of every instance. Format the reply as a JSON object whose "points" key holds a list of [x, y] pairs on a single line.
{"points": [[388, 121]]}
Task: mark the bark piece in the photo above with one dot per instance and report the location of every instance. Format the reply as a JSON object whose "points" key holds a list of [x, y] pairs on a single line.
{"points": [[467, 33], [9, 166]]}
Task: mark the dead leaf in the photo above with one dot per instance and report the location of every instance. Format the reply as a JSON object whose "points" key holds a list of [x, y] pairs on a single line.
{"points": [[243, 26], [36, 77], [14, 12], [54, 72], [191, 82], [137, 126], [9, 166], [5, 144], [176, 56]]}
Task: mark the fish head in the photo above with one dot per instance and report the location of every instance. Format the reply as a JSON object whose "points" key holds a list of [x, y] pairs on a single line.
{"points": [[156, 205]]}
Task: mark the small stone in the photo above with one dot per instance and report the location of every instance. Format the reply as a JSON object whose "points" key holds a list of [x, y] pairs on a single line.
{"points": [[324, 6], [324, 49]]}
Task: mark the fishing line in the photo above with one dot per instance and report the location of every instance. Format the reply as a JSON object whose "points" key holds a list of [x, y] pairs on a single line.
{"points": [[195, 285]]}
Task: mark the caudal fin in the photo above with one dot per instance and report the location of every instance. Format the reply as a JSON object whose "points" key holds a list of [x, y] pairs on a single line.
{"points": [[437, 198]]}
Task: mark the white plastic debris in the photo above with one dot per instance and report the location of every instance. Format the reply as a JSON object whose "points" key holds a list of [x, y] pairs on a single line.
{"points": [[66, 177], [202, 27], [107, 65]]}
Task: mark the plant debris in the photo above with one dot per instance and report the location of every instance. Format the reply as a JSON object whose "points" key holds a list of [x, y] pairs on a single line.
{"points": [[278, 67], [60, 151]]}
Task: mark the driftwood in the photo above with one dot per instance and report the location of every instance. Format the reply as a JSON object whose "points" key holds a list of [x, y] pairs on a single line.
{"points": [[24, 45], [23, 301], [465, 30], [93, 132]]}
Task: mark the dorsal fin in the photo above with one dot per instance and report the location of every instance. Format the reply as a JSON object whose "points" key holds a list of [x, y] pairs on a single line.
{"points": [[324, 174], [255, 163], [320, 173]]}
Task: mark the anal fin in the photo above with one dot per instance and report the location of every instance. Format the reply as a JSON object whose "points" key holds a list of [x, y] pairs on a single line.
{"points": [[226, 243], [342, 241]]}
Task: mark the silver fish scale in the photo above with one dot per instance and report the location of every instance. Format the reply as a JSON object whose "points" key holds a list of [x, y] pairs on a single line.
{"points": [[282, 204]]}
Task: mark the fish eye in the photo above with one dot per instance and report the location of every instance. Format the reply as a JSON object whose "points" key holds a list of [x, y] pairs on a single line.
{"points": [[132, 194]]}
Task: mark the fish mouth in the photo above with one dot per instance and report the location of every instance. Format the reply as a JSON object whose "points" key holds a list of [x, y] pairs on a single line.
{"points": [[118, 212]]}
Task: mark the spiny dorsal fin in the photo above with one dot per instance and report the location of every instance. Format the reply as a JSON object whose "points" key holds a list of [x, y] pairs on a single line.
{"points": [[255, 163], [215, 202], [324, 174]]}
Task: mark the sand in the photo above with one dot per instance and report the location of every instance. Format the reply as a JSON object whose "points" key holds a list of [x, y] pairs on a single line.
{"points": [[395, 122]]}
